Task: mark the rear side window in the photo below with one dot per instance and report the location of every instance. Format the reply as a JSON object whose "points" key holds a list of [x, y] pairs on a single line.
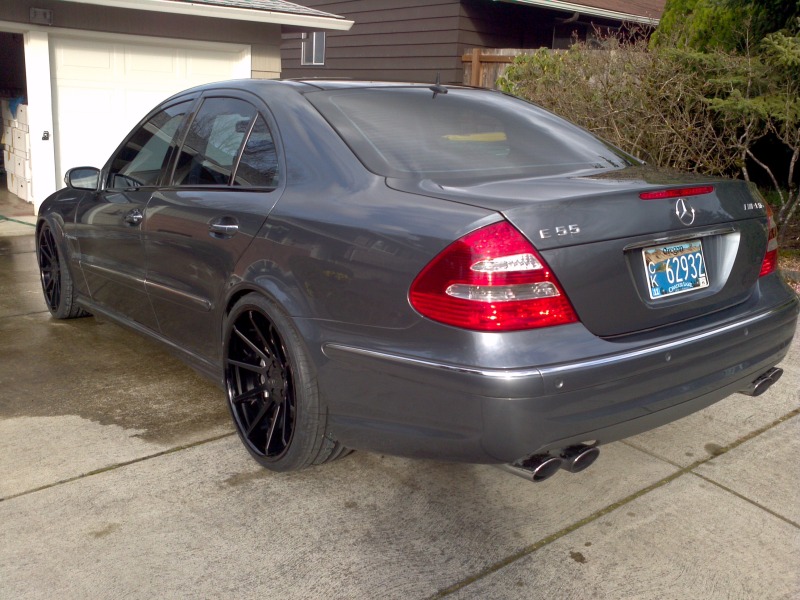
{"points": [[140, 161], [213, 142], [258, 165], [412, 132]]}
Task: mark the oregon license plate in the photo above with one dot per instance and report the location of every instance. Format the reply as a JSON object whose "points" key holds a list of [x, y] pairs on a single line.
{"points": [[675, 268]]}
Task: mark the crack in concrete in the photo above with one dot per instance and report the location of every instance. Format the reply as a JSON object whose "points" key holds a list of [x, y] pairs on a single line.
{"points": [[120, 465]]}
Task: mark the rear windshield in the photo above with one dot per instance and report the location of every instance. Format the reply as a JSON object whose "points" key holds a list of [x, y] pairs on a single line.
{"points": [[410, 132]]}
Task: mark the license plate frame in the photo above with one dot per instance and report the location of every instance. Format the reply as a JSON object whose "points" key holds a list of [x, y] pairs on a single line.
{"points": [[674, 268]]}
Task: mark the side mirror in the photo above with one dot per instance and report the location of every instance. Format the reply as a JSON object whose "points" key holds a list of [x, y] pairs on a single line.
{"points": [[83, 178]]}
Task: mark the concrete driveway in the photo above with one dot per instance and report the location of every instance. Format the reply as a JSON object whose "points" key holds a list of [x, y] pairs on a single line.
{"points": [[120, 477]]}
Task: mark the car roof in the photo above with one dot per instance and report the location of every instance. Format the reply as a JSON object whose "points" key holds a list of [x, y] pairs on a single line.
{"points": [[305, 85]]}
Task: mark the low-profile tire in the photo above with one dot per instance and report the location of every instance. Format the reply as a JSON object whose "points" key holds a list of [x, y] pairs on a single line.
{"points": [[57, 286], [272, 390]]}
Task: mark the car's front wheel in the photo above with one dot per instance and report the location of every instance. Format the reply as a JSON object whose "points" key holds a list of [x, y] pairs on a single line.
{"points": [[271, 389], [59, 293]]}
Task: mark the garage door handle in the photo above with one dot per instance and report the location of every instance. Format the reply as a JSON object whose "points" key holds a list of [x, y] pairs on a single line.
{"points": [[223, 229], [134, 217]]}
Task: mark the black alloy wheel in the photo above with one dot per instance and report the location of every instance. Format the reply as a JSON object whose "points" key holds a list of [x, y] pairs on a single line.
{"points": [[272, 390], [260, 385], [49, 268], [59, 293]]}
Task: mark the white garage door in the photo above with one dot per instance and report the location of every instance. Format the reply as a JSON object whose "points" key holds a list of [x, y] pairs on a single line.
{"points": [[102, 88]]}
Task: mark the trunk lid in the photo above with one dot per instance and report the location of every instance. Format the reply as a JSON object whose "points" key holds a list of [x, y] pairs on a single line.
{"points": [[594, 232]]}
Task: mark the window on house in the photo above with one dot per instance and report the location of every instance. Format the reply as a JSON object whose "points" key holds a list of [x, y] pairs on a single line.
{"points": [[312, 48]]}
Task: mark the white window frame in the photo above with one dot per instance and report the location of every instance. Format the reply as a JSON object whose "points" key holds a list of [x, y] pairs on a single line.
{"points": [[312, 48]]}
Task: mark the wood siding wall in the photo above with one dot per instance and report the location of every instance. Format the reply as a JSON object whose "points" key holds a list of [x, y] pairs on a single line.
{"points": [[413, 40], [399, 40]]}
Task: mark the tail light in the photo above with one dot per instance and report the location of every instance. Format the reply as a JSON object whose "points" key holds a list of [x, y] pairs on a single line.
{"points": [[491, 280], [770, 262]]}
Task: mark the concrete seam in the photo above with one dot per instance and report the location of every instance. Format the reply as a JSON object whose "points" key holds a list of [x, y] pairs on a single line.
{"points": [[493, 568], [5, 218], [118, 466], [488, 570], [735, 444], [27, 314], [746, 499]]}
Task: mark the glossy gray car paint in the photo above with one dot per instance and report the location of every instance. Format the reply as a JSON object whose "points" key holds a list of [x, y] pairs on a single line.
{"points": [[337, 247]]}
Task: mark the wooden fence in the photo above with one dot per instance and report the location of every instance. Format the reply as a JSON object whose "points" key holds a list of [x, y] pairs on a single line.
{"points": [[482, 66]]}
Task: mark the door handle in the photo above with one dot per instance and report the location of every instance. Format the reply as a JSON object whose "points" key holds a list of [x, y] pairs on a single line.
{"points": [[134, 217], [224, 227]]}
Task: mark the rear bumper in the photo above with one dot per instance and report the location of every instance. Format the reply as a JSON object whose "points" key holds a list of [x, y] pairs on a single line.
{"points": [[415, 406]]}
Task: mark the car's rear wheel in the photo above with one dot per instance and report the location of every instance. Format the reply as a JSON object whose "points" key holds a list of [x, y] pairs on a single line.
{"points": [[271, 389], [59, 292]]}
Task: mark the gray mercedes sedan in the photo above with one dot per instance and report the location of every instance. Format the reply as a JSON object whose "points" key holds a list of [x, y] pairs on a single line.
{"points": [[421, 270]]}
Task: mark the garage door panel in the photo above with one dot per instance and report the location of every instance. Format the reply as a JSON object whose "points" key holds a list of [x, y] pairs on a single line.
{"points": [[200, 64], [85, 61], [91, 116], [101, 89], [143, 63]]}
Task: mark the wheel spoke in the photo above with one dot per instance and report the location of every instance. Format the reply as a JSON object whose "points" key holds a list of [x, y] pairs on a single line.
{"points": [[46, 252], [267, 346], [252, 394], [261, 370], [250, 344], [274, 422], [258, 418]]}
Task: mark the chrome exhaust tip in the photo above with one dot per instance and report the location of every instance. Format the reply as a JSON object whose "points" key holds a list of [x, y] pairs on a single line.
{"points": [[535, 468], [763, 382], [577, 458]]}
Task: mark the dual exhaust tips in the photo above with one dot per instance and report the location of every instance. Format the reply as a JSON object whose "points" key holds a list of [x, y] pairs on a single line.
{"points": [[763, 382], [577, 458], [543, 466]]}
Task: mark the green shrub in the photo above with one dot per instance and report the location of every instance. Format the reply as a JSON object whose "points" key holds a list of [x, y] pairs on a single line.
{"points": [[676, 107]]}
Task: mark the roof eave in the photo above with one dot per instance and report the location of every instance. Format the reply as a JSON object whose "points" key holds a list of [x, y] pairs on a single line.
{"points": [[587, 10], [311, 22]]}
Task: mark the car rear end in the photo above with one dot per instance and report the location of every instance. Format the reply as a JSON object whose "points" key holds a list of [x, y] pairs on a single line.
{"points": [[602, 299]]}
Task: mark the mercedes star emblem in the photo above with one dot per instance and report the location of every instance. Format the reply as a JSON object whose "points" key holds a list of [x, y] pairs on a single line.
{"points": [[684, 212]]}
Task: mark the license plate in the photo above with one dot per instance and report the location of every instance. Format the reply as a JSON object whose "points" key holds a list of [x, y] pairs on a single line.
{"points": [[675, 268]]}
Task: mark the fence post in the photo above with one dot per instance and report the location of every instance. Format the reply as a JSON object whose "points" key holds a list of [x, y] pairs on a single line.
{"points": [[477, 67]]}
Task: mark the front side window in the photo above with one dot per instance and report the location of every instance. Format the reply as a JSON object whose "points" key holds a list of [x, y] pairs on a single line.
{"points": [[312, 48], [140, 161], [213, 142]]}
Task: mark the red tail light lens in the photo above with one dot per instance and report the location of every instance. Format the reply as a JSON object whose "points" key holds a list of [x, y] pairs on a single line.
{"points": [[770, 262], [491, 280], [677, 193]]}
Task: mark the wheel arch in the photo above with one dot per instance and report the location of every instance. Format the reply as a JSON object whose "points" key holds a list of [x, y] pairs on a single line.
{"points": [[291, 303]]}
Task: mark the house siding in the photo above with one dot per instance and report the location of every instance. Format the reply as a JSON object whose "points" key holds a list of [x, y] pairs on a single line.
{"points": [[414, 40], [399, 40]]}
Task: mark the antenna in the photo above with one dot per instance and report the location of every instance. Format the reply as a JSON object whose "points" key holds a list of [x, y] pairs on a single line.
{"points": [[438, 88]]}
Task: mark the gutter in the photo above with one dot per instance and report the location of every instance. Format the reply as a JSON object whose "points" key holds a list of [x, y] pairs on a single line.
{"points": [[586, 10], [311, 22]]}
